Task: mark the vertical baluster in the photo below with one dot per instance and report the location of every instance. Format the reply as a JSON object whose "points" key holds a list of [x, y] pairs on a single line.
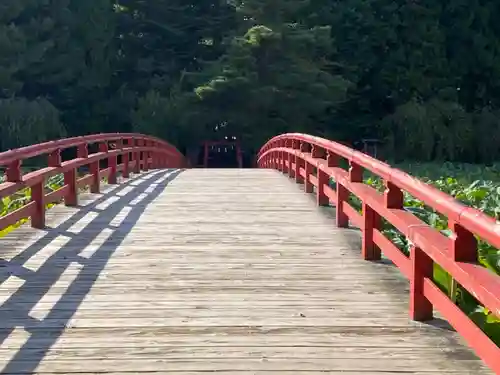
{"points": [[355, 175], [126, 158], [321, 198], [284, 157], [308, 170], [113, 162], [137, 156], [342, 196], [463, 248], [371, 221], [95, 170], [291, 169], [70, 180], [153, 164], [38, 197], [422, 267], [145, 156], [13, 172], [393, 196]]}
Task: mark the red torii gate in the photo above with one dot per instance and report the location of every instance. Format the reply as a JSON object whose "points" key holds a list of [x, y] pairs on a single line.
{"points": [[226, 142]]}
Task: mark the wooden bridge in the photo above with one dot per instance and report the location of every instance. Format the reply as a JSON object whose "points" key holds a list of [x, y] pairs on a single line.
{"points": [[166, 269]]}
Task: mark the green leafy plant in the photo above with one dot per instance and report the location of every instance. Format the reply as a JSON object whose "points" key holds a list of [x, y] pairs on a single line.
{"points": [[22, 197], [473, 185]]}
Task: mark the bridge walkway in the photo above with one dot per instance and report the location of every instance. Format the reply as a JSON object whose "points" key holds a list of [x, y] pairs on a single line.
{"points": [[196, 271]]}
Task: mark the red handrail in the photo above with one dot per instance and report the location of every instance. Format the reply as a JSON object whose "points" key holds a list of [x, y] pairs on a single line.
{"points": [[139, 152], [313, 160]]}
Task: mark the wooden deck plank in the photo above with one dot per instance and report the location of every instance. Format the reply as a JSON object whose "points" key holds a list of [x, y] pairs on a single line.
{"points": [[206, 271]]}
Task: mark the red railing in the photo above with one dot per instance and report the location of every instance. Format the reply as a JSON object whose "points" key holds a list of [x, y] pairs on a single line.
{"points": [[138, 152], [313, 161]]}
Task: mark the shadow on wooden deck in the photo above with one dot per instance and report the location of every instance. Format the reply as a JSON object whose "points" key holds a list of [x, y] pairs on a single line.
{"points": [[62, 258]]}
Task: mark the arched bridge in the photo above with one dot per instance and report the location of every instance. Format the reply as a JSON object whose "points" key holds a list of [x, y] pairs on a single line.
{"points": [[131, 262]]}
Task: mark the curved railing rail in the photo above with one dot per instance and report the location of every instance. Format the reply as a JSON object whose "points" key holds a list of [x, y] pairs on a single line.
{"points": [[138, 152], [312, 161]]}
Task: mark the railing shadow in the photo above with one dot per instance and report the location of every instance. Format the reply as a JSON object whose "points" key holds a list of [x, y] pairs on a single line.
{"points": [[76, 263]]}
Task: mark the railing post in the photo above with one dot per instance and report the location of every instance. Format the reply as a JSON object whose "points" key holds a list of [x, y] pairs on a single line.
{"points": [[284, 157], [137, 156], [463, 248], [71, 197], [371, 221], [343, 195], [95, 170], [54, 159], [13, 172], [290, 159], [38, 197], [82, 151], [393, 196], [422, 267], [280, 161], [151, 155], [113, 163], [145, 156], [308, 168], [355, 172], [332, 159], [38, 193], [126, 159], [463, 243], [299, 162], [283, 161], [321, 199], [153, 164]]}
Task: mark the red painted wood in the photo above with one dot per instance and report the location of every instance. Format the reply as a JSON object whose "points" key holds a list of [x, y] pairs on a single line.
{"points": [[457, 254], [422, 265], [38, 197], [71, 198], [147, 150], [371, 221]]}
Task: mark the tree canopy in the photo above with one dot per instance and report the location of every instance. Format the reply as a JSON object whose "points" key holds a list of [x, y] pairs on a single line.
{"points": [[422, 76]]}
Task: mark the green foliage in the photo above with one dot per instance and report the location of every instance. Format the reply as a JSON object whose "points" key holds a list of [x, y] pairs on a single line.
{"points": [[22, 197], [24, 122], [472, 186], [420, 76]]}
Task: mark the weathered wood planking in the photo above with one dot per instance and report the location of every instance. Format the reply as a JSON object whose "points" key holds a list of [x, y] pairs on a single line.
{"points": [[208, 270]]}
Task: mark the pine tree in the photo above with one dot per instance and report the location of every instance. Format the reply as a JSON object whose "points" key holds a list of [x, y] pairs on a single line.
{"points": [[276, 76]]}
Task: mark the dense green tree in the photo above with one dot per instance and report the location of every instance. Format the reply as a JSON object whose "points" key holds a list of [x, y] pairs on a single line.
{"points": [[276, 77], [420, 75]]}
